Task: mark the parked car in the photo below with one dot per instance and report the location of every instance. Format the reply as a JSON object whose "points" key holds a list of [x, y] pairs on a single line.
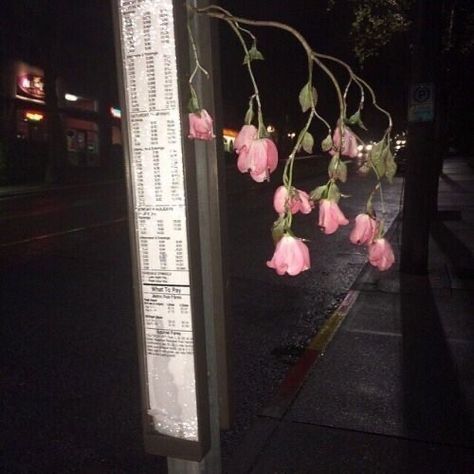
{"points": [[401, 159], [400, 152]]}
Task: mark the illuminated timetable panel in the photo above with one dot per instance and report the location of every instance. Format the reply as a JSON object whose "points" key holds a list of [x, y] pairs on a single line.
{"points": [[157, 180]]}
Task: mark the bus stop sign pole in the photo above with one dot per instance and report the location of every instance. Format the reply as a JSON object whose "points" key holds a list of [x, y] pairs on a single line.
{"points": [[174, 321]]}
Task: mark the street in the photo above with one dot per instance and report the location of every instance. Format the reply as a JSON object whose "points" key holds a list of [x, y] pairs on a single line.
{"points": [[26, 217], [69, 369]]}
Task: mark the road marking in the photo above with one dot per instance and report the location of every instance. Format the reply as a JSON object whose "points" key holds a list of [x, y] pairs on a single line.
{"points": [[61, 233], [295, 378]]}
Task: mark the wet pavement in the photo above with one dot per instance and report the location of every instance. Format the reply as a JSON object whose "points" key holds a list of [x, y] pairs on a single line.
{"points": [[273, 318], [393, 391], [69, 371], [70, 399]]}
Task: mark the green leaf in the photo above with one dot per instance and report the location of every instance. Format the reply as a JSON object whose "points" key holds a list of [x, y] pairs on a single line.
{"points": [[370, 206], [332, 165], [356, 119], [253, 54], [341, 174], [337, 168], [327, 144], [343, 177], [278, 229], [318, 193], [308, 142], [390, 165], [377, 157], [307, 96], [334, 194]]}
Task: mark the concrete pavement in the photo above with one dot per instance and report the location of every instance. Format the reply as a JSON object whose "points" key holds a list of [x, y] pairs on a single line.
{"points": [[393, 392]]}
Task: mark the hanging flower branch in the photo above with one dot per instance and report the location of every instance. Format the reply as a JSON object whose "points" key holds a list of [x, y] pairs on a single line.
{"points": [[200, 122], [258, 156]]}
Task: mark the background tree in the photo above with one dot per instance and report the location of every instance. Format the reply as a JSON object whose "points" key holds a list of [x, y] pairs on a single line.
{"points": [[377, 24], [440, 39]]}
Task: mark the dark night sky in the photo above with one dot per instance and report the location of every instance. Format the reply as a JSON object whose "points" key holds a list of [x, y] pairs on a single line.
{"points": [[77, 35], [85, 49], [283, 72]]}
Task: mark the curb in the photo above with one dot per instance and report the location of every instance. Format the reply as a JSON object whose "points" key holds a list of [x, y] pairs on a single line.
{"points": [[268, 420], [297, 375]]}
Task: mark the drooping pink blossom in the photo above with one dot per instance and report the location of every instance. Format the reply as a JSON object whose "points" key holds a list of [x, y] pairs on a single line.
{"points": [[364, 230], [200, 126], [330, 216], [247, 134], [259, 160], [291, 256], [305, 203], [381, 254], [298, 202], [349, 146]]}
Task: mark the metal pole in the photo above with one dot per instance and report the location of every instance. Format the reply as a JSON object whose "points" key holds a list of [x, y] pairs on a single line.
{"points": [[175, 193], [422, 172], [209, 173]]}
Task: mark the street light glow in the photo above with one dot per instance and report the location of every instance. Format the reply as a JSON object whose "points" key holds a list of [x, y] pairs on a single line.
{"points": [[71, 97]]}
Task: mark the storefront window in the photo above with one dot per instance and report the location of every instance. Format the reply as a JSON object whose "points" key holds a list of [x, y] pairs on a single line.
{"points": [[31, 126], [82, 142]]}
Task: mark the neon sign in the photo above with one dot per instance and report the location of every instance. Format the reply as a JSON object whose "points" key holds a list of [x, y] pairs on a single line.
{"points": [[31, 85], [34, 116]]}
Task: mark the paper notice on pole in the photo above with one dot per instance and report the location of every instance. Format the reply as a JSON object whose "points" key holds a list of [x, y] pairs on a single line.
{"points": [[152, 111]]}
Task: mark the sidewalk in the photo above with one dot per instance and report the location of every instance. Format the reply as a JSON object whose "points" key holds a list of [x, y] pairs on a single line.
{"points": [[394, 390]]}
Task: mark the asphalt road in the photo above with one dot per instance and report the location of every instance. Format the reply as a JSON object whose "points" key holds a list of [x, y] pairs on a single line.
{"points": [[68, 366]]}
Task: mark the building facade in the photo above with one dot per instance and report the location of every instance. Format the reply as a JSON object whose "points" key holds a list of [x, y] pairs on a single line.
{"points": [[54, 128]]}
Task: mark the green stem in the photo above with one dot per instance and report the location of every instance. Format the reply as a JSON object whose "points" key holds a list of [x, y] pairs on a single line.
{"points": [[288, 171], [218, 12], [233, 22], [382, 201], [361, 84], [254, 39], [324, 121], [379, 187], [261, 125], [197, 66]]}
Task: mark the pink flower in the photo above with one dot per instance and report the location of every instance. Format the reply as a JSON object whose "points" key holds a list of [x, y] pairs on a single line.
{"points": [[349, 146], [364, 230], [200, 126], [330, 216], [247, 134], [299, 201], [260, 159], [381, 254], [291, 256]]}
